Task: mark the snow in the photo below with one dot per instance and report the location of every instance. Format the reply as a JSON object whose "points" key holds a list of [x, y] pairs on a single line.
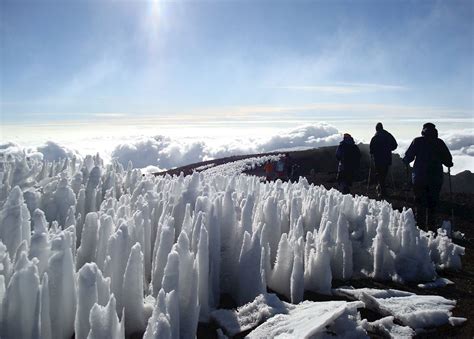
{"points": [[106, 252], [20, 304], [415, 311], [357, 294], [92, 288], [239, 166], [251, 314], [133, 302], [204, 167], [440, 282], [104, 322], [387, 328], [310, 319], [457, 321]]}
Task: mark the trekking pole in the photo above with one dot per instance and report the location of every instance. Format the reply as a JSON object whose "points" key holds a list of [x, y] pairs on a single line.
{"points": [[368, 179], [451, 199]]}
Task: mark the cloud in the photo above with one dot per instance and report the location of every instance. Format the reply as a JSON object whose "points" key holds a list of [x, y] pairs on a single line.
{"points": [[304, 136], [461, 144], [167, 152], [462, 141], [161, 151], [50, 151], [200, 144]]}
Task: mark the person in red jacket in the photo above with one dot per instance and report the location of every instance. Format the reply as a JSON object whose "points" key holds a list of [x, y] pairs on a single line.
{"points": [[269, 170]]}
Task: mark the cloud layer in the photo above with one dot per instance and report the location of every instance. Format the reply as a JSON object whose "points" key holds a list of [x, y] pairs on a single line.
{"points": [[460, 142], [166, 152]]}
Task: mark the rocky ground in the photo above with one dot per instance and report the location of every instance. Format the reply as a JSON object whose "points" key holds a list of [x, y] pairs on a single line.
{"points": [[319, 167]]}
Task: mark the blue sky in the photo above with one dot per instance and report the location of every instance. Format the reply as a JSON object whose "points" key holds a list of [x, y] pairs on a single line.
{"points": [[85, 60]]}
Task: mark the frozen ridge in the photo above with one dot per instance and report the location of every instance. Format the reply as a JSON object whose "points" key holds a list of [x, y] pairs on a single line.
{"points": [[101, 251]]}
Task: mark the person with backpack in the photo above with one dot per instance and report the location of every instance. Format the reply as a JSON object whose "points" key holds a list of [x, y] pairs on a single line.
{"points": [[430, 154], [282, 167], [381, 146], [348, 155]]}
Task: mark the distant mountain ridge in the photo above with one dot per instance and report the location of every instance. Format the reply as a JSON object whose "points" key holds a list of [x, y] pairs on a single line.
{"points": [[323, 161]]}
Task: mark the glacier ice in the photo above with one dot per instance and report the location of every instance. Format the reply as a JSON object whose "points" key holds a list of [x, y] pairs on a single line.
{"points": [[314, 319], [387, 328], [251, 314], [415, 311], [92, 288], [95, 243]]}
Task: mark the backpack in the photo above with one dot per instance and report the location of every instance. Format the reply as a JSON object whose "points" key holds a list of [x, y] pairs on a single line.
{"points": [[280, 166]]}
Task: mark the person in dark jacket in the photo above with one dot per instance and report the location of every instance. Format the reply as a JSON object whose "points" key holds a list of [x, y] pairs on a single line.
{"points": [[381, 147], [348, 155], [430, 154]]}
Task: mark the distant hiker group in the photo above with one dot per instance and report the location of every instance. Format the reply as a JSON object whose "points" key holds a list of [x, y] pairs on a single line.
{"points": [[429, 152], [285, 169]]}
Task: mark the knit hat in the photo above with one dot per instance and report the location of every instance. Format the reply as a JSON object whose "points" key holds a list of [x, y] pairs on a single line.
{"points": [[429, 129]]}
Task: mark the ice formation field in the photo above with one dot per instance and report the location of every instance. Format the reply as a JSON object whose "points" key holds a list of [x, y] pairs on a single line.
{"points": [[100, 251]]}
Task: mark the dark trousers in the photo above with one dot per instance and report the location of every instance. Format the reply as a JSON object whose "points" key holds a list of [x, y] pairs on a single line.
{"points": [[344, 179], [426, 201], [381, 175]]}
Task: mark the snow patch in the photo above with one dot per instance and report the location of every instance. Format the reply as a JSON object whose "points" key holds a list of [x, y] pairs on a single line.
{"points": [[308, 319], [250, 315]]}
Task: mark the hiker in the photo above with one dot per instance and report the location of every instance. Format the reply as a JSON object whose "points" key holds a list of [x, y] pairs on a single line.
{"points": [[348, 155], [430, 154], [294, 172], [269, 170], [288, 165], [282, 167], [381, 147]]}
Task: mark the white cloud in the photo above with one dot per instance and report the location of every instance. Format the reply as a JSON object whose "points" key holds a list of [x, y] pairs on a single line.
{"points": [[203, 142], [167, 152], [462, 141], [307, 135]]}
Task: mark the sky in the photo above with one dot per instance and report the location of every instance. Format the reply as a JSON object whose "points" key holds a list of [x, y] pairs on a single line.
{"points": [[97, 67]]}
